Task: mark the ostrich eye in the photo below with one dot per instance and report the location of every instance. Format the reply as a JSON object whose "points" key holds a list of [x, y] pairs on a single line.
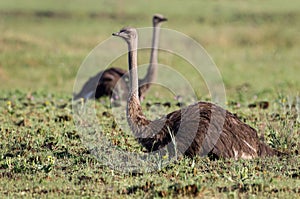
{"points": [[124, 31], [158, 18]]}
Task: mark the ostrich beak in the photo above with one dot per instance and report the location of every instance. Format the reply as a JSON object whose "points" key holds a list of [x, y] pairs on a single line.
{"points": [[115, 34], [164, 19]]}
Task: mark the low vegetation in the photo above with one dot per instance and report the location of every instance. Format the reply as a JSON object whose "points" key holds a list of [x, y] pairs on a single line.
{"points": [[42, 43]]}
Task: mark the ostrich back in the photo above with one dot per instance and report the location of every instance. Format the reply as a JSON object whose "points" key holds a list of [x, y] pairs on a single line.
{"points": [[103, 84], [200, 129]]}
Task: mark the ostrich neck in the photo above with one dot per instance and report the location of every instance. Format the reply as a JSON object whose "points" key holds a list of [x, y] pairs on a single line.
{"points": [[135, 115], [132, 62], [151, 73]]}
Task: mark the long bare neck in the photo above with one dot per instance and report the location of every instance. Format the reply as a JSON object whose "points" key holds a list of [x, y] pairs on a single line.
{"points": [[135, 116], [132, 62], [152, 69]]}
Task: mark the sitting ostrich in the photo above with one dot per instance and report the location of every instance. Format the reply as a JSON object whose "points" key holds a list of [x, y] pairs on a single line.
{"points": [[103, 83], [199, 129]]}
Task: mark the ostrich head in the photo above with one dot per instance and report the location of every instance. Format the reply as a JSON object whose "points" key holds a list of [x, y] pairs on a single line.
{"points": [[158, 18], [128, 34]]}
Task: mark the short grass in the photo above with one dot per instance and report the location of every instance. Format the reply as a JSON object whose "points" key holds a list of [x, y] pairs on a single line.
{"points": [[42, 155], [43, 43]]}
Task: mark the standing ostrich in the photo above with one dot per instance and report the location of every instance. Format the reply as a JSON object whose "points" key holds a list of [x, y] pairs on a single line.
{"points": [[103, 83], [199, 129]]}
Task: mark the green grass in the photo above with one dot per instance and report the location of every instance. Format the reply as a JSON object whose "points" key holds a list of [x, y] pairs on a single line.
{"points": [[42, 154], [42, 45], [238, 36]]}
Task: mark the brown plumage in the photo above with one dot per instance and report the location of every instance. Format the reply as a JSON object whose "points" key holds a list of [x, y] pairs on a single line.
{"points": [[199, 129], [103, 83]]}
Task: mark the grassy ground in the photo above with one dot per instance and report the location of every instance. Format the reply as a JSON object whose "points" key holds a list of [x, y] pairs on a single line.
{"points": [[42, 43]]}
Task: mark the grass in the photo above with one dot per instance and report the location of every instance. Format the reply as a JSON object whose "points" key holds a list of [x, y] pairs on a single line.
{"points": [[42, 154], [255, 46]]}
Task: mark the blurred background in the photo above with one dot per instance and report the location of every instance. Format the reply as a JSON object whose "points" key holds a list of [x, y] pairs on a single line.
{"points": [[255, 44]]}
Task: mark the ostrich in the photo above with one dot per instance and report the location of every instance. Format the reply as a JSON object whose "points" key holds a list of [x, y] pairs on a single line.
{"points": [[103, 83], [199, 129]]}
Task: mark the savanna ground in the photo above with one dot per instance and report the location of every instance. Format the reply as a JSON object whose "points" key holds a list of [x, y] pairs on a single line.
{"points": [[42, 43]]}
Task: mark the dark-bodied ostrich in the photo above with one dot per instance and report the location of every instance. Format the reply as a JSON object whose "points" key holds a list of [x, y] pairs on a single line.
{"points": [[103, 83], [199, 129]]}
